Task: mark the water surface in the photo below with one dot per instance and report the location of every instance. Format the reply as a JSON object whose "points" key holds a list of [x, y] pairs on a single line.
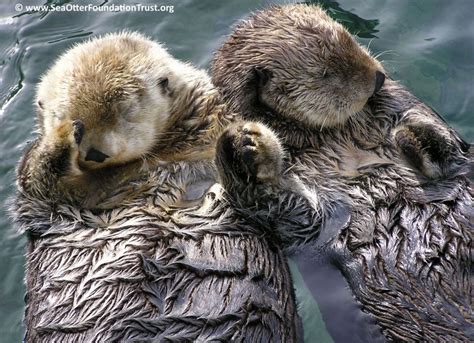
{"points": [[427, 45]]}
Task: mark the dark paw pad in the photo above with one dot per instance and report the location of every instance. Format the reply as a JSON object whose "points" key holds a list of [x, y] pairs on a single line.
{"points": [[249, 147], [79, 131]]}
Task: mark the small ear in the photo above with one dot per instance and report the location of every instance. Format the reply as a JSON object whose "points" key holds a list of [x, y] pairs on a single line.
{"points": [[40, 104], [262, 75]]}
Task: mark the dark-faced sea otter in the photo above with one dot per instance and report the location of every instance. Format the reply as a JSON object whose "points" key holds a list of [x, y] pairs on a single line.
{"points": [[373, 158]]}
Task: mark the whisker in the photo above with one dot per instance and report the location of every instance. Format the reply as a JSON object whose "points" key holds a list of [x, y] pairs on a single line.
{"points": [[385, 52], [370, 41]]}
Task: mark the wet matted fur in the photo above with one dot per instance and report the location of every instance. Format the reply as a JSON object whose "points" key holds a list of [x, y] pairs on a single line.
{"points": [[107, 260], [214, 272], [404, 201]]}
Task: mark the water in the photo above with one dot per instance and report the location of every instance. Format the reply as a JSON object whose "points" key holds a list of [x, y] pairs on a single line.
{"points": [[428, 46]]}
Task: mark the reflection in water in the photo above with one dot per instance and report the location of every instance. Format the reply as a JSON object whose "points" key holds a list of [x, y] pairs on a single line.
{"points": [[316, 274], [308, 309], [362, 28], [343, 317]]}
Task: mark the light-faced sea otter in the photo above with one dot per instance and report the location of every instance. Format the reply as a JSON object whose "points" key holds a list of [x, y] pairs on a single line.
{"points": [[126, 133], [385, 173], [124, 128], [111, 108]]}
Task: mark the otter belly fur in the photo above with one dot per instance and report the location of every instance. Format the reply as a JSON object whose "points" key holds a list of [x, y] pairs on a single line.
{"points": [[215, 271], [393, 166], [109, 257], [84, 270]]}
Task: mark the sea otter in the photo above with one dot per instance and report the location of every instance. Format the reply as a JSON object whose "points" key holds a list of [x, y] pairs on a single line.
{"points": [[111, 108], [123, 127], [110, 258], [386, 175]]}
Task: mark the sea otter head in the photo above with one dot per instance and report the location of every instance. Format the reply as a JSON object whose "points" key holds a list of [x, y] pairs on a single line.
{"points": [[301, 63], [119, 91]]}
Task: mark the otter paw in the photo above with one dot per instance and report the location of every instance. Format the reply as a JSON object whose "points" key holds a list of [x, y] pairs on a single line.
{"points": [[251, 152], [67, 133], [64, 144], [425, 148], [78, 131]]}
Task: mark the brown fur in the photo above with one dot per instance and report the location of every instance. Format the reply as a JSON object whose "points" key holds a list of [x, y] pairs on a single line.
{"points": [[325, 83], [135, 269], [108, 94], [401, 240]]}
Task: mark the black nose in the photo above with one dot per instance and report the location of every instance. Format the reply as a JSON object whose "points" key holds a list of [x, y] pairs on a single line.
{"points": [[96, 156], [379, 80]]}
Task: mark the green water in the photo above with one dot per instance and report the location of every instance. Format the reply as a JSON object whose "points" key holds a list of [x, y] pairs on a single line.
{"points": [[427, 45]]}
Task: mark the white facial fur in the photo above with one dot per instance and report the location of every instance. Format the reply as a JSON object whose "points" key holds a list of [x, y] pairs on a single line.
{"points": [[115, 86]]}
